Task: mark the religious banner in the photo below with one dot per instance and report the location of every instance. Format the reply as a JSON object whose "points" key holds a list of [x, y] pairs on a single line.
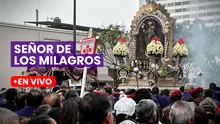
{"points": [[88, 46]]}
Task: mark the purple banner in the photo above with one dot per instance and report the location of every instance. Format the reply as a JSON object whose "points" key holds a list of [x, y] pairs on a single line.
{"points": [[51, 54]]}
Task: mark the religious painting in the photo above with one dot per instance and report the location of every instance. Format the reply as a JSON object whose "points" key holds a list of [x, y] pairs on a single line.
{"points": [[147, 31]]}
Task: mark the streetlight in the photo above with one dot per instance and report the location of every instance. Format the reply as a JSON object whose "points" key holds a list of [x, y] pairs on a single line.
{"points": [[136, 70], [74, 20]]}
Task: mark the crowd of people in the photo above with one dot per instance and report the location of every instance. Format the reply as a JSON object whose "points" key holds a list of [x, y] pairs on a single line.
{"points": [[62, 105]]}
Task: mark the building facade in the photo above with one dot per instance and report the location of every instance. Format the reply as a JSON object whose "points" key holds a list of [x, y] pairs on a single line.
{"points": [[207, 10], [15, 32]]}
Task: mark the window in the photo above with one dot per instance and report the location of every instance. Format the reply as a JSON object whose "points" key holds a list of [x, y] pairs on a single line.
{"points": [[185, 2], [178, 10], [210, 14], [193, 9], [178, 3], [186, 16], [171, 11], [170, 4], [210, 6], [217, 13], [202, 7], [217, 6], [178, 17], [202, 1], [194, 16], [193, 1], [210, 21], [202, 14], [164, 5], [185, 9]]}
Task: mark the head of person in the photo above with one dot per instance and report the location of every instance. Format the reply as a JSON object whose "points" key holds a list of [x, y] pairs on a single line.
{"points": [[11, 94], [20, 99], [146, 111], [142, 94], [55, 114], [70, 94], [55, 89], [42, 110], [182, 88], [70, 112], [42, 119], [182, 112], [212, 86], [8, 117], [108, 90], [61, 93], [209, 93], [95, 108], [155, 90], [53, 99], [166, 92], [210, 108], [125, 108], [131, 91], [176, 95], [3, 94], [188, 87], [200, 116], [197, 94], [34, 98]]}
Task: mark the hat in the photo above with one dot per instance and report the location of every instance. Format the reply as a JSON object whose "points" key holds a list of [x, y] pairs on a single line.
{"points": [[175, 93], [196, 90], [125, 106]]}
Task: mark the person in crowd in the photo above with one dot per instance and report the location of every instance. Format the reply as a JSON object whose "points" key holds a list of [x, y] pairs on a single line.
{"points": [[122, 94], [175, 96], [116, 94], [182, 112], [197, 95], [53, 99], [182, 88], [33, 100], [70, 112], [146, 112], [108, 91], [210, 108], [187, 88], [42, 119], [61, 93], [130, 93], [70, 94], [200, 116], [2, 97], [95, 108], [55, 89], [8, 117], [55, 114], [142, 94], [11, 94], [20, 101], [155, 95], [125, 108], [213, 87], [42, 110]]}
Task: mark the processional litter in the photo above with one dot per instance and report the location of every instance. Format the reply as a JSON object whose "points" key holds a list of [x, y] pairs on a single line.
{"points": [[150, 59]]}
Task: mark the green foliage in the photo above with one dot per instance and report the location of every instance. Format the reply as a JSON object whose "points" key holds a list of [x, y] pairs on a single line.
{"points": [[23, 72], [108, 38], [163, 70]]}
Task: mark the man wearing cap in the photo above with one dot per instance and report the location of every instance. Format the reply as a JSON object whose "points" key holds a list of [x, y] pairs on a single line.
{"points": [[197, 95], [125, 108]]}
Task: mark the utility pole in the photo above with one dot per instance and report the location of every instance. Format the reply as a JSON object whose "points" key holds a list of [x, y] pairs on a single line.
{"points": [[74, 20]]}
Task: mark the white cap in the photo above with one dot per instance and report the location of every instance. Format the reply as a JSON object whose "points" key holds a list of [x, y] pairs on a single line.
{"points": [[125, 106]]}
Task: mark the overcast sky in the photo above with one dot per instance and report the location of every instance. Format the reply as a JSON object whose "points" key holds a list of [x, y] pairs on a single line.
{"points": [[89, 12]]}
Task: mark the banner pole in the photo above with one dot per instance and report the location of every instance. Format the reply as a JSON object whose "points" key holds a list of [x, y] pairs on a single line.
{"points": [[83, 82]]}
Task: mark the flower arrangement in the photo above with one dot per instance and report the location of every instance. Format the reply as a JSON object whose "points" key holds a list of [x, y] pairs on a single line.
{"points": [[120, 48], [163, 70], [155, 47], [180, 48]]}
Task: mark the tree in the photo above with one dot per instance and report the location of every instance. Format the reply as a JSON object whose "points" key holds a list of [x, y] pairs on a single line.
{"points": [[108, 38]]}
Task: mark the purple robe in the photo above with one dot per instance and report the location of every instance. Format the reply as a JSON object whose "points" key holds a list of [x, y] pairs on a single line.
{"points": [[186, 96], [26, 111], [2, 102]]}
